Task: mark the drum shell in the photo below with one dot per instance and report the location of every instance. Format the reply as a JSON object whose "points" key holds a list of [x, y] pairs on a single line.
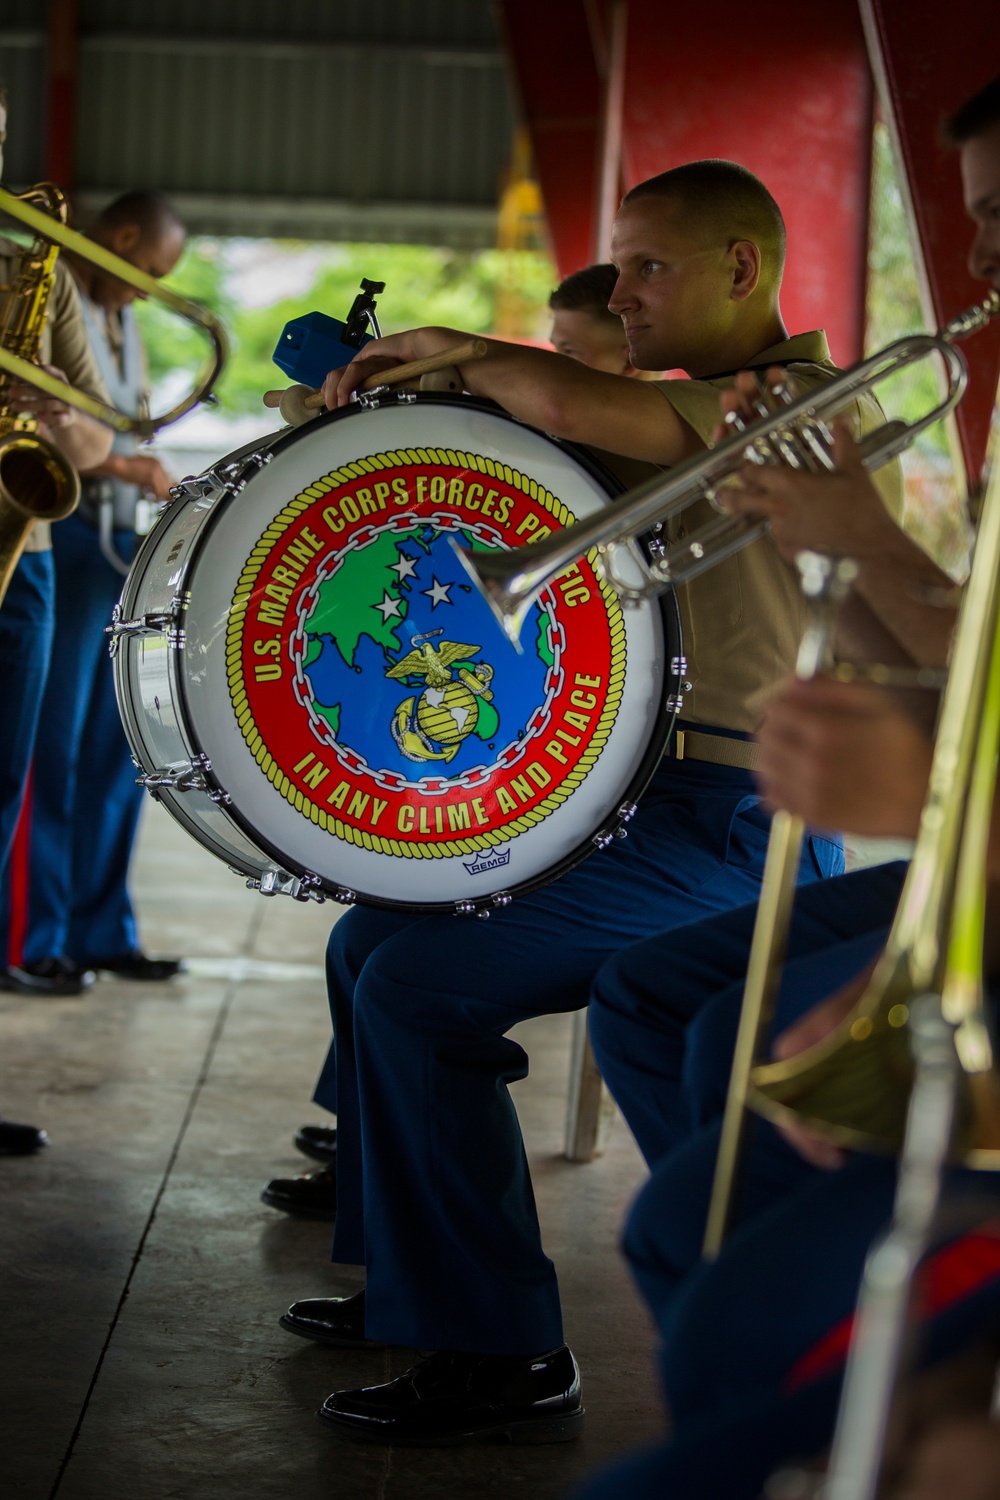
{"points": [[156, 689], [148, 686]]}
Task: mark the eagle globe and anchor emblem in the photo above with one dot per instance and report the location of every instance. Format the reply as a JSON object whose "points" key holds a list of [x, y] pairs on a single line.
{"points": [[455, 701], [400, 611]]}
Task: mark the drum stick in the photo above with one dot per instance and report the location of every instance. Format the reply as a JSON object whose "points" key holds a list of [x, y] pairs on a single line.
{"points": [[458, 354]]}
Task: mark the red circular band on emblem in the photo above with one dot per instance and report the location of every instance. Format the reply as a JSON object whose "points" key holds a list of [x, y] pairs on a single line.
{"points": [[525, 779]]}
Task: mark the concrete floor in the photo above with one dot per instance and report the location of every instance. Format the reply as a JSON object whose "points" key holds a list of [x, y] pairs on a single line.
{"points": [[143, 1277]]}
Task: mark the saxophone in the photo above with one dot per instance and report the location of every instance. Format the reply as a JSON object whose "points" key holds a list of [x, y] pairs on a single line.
{"points": [[37, 483]]}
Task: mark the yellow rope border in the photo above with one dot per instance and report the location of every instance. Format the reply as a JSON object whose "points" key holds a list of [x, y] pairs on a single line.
{"points": [[401, 458]]}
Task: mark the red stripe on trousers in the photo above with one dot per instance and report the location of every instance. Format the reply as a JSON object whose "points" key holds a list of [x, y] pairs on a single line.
{"points": [[954, 1272], [17, 881]]}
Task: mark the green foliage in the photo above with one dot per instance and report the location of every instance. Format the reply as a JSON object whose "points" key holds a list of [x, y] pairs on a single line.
{"points": [[424, 285], [893, 299]]}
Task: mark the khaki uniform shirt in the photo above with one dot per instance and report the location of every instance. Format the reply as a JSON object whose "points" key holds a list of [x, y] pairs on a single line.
{"points": [[742, 620], [64, 344]]}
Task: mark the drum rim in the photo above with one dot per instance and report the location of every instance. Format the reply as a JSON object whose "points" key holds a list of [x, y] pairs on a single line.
{"points": [[664, 720]]}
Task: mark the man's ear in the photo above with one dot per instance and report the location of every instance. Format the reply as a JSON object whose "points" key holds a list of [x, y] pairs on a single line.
{"points": [[124, 239], [745, 266]]}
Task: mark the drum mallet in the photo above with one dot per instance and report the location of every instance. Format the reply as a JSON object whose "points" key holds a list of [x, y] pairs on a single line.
{"points": [[298, 403]]}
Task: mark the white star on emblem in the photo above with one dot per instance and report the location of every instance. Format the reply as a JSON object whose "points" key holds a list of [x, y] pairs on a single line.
{"points": [[405, 568], [388, 607], [437, 593]]}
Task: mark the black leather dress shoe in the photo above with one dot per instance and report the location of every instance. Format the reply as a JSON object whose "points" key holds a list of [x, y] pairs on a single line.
{"points": [[311, 1196], [140, 967], [47, 976], [338, 1321], [317, 1141], [20, 1140], [448, 1399]]}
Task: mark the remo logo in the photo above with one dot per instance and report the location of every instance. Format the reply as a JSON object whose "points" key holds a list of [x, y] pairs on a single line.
{"points": [[371, 682]]}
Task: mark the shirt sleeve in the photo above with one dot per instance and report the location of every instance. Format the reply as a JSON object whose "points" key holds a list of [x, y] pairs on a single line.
{"points": [[696, 402], [70, 346]]}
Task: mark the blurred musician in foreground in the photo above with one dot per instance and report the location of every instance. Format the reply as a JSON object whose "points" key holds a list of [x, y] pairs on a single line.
{"points": [[27, 611], [754, 1344], [434, 1191], [75, 914]]}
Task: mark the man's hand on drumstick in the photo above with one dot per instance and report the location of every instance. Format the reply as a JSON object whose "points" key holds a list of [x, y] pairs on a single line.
{"points": [[385, 354]]}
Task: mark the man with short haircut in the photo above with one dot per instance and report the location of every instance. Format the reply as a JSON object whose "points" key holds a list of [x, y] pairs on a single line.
{"points": [[584, 327], [435, 1194], [85, 804]]}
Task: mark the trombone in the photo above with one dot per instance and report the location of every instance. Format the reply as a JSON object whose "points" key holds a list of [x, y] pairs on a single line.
{"points": [[798, 433], [47, 227], [912, 1067]]}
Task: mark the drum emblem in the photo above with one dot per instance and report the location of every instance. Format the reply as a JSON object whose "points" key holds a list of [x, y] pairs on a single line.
{"points": [[371, 684], [456, 702]]}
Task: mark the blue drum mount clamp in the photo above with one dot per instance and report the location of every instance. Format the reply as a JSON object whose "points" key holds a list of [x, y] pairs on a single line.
{"points": [[313, 345]]}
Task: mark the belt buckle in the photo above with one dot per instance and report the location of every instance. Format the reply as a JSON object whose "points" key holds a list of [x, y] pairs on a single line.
{"points": [[678, 744]]}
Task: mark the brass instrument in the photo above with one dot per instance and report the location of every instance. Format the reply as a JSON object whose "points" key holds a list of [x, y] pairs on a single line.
{"points": [[37, 483], [854, 1086], [913, 1065], [798, 433], [56, 232]]}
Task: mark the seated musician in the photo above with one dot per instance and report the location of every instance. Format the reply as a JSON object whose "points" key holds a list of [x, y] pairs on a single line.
{"points": [[584, 327], [754, 1344], [435, 1196]]}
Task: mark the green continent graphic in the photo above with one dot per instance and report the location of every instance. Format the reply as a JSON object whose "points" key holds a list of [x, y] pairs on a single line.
{"points": [[343, 609], [399, 666]]}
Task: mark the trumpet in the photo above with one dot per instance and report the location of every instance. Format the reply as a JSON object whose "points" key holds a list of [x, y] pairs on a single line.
{"points": [[49, 226], [797, 433]]}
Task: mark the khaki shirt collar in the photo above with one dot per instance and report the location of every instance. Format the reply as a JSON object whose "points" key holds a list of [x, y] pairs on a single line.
{"points": [[811, 348]]}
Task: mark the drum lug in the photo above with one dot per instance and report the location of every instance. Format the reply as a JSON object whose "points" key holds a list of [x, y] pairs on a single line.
{"points": [[345, 897], [602, 840], [464, 908], [193, 777], [369, 400], [157, 623], [189, 778], [675, 701], [205, 487], [678, 666], [627, 811], [275, 882], [502, 898]]}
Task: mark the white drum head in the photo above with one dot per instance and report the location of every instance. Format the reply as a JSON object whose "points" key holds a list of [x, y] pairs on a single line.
{"points": [[352, 690]]}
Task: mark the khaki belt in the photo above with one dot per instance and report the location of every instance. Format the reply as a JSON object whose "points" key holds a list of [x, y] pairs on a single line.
{"points": [[688, 744]]}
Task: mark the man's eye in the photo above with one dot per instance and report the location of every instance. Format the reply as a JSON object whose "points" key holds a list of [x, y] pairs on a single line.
{"points": [[652, 265]]}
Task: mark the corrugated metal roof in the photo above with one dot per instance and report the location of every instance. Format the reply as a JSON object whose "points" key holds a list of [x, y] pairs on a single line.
{"points": [[284, 115]]}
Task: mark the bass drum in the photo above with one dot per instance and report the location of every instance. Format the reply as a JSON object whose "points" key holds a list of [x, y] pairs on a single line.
{"points": [[312, 686]]}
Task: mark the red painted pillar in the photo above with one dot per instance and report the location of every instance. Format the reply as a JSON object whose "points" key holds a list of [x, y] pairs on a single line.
{"points": [[64, 51], [791, 100], [929, 61], [560, 94]]}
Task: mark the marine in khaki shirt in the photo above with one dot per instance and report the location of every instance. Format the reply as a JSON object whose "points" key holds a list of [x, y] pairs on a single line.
{"points": [[66, 346], [700, 256], [742, 620]]}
